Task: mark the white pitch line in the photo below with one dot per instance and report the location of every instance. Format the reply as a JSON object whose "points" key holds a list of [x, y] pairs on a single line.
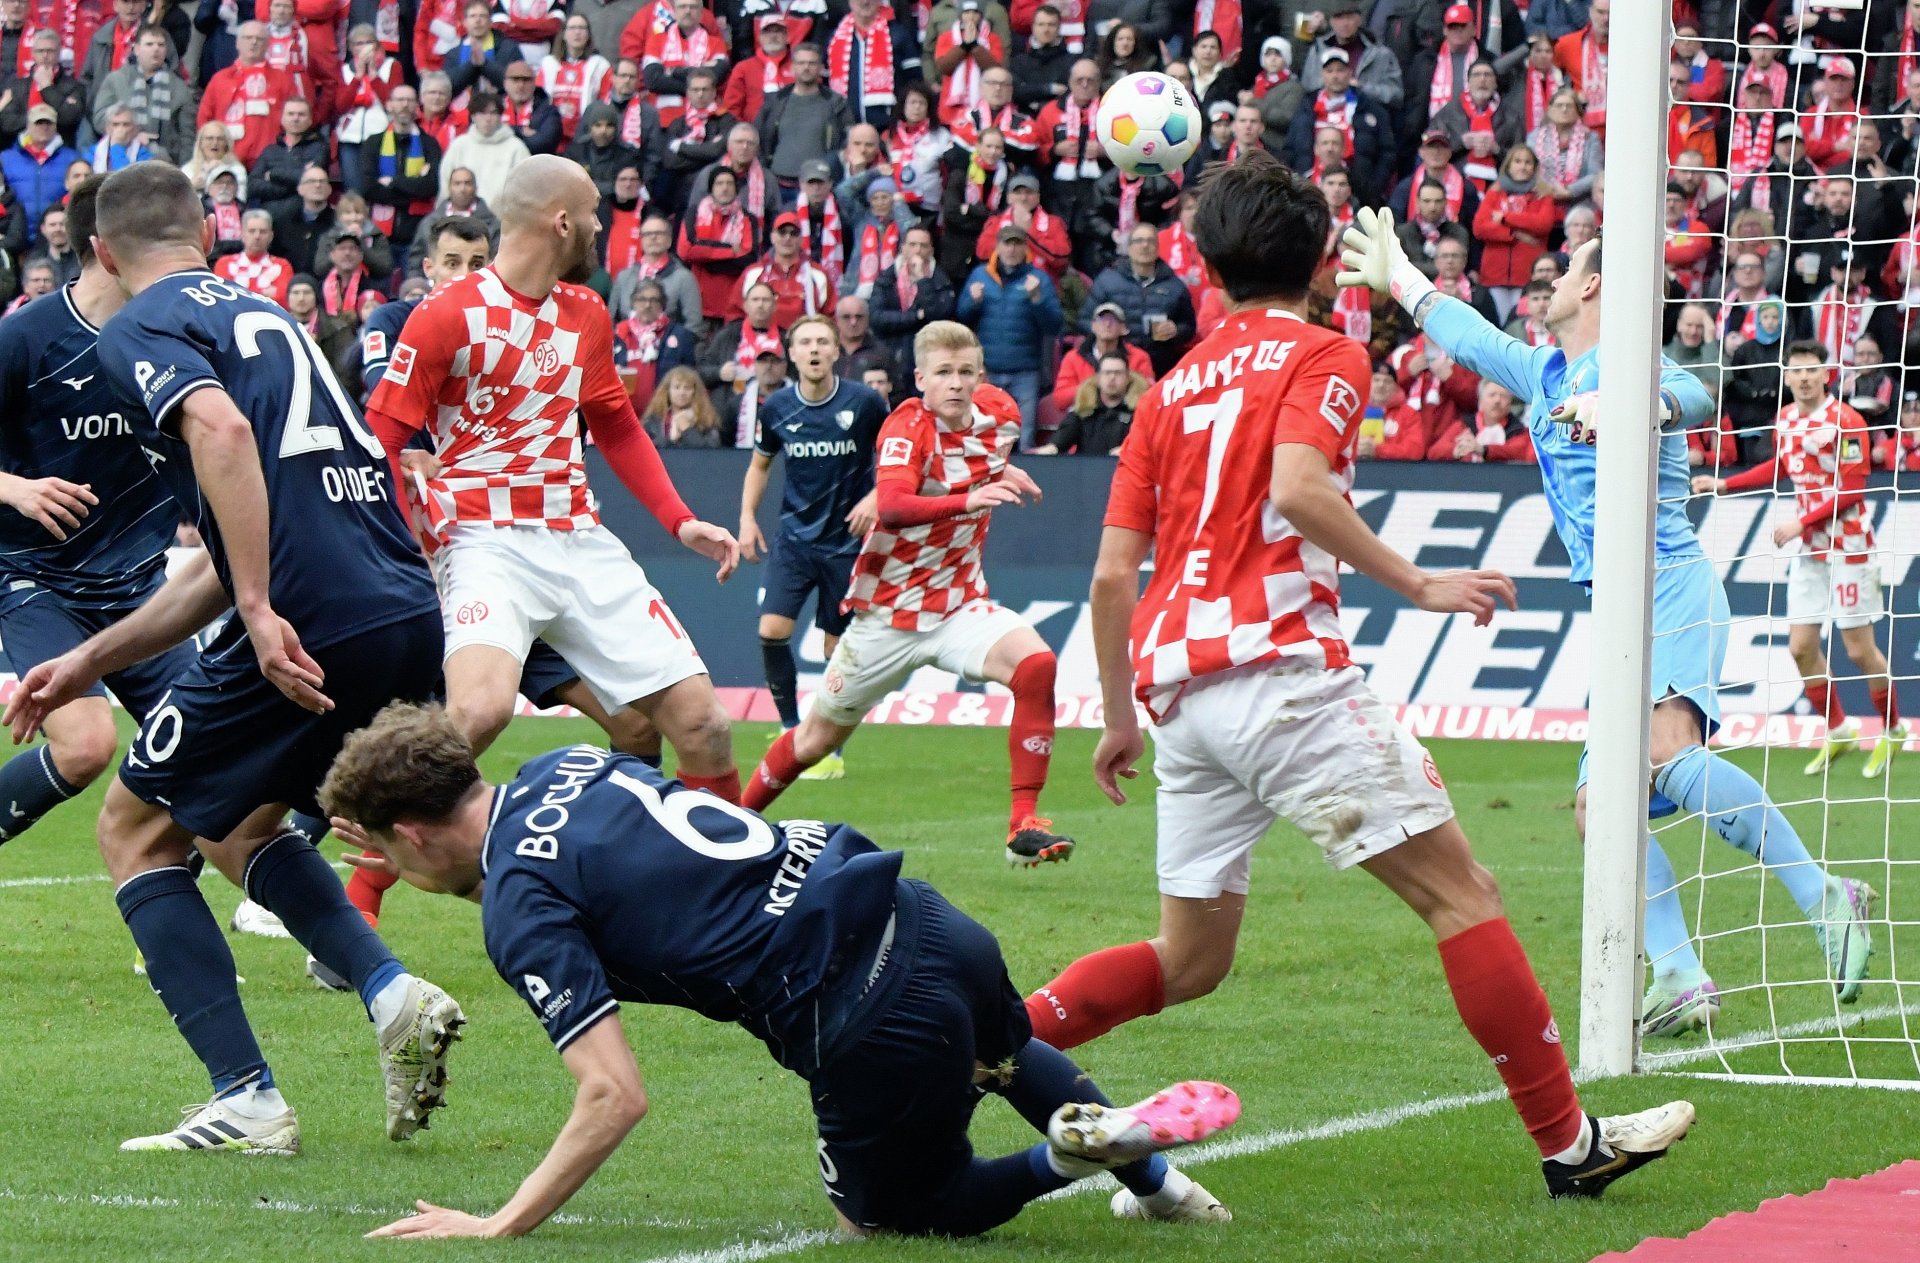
{"points": [[1760, 1039], [14, 882]]}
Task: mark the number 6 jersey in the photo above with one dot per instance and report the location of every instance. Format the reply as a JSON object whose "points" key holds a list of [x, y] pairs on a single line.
{"points": [[340, 559]]}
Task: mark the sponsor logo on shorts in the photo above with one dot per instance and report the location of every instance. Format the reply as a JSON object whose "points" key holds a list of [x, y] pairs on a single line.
{"points": [[834, 682], [545, 358], [1038, 745], [400, 367], [1552, 1034], [1433, 773], [476, 611]]}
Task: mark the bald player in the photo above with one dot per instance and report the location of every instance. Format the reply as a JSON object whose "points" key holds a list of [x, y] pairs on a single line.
{"points": [[510, 526]]}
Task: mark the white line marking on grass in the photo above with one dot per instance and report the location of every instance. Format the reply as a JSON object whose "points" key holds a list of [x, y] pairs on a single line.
{"points": [[13, 882], [1749, 1040], [750, 1251]]}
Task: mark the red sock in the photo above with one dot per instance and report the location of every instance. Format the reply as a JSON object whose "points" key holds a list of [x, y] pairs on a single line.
{"points": [[1506, 1011], [1821, 697], [366, 888], [1030, 738], [1096, 994], [1887, 702], [775, 773], [724, 786]]}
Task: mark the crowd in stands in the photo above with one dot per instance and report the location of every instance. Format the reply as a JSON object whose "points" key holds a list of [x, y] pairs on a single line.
{"points": [[890, 165]]}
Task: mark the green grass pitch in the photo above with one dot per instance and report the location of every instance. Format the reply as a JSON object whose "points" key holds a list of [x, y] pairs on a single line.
{"points": [[1336, 1010]]}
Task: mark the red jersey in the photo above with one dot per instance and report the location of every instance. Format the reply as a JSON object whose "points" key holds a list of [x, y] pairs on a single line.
{"points": [[1825, 454], [918, 575], [1233, 583], [269, 276], [496, 378]]}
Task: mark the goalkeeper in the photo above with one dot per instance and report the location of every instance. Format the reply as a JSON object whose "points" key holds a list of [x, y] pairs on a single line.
{"points": [[1690, 612]]}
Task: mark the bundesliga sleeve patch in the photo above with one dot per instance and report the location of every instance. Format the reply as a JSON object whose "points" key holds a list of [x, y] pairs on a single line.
{"points": [[1339, 403], [400, 367], [892, 452], [374, 345]]}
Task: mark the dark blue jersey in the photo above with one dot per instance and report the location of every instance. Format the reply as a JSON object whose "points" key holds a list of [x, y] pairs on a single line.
{"points": [[341, 561], [607, 882], [60, 419], [829, 449], [377, 339]]}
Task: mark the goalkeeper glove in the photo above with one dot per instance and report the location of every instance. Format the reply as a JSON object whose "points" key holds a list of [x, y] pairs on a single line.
{"points": [[1373, 257], [1582, 413]]}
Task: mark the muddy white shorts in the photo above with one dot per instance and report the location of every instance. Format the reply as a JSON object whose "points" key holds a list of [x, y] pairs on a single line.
{"points": [[873, 656], [1312, 746]]}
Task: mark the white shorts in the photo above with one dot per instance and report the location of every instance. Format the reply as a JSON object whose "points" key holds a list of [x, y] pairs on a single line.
{"points": [[580, 591], [1828, 589], [873, 656], [1244, 747]]}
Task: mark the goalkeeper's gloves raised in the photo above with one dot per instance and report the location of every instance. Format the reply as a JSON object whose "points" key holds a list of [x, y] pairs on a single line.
{"points": [[1581, 413], [1373, 256]]}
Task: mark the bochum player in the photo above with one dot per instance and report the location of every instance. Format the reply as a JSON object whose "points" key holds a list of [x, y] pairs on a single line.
{"points": [[1690, 612], [245, 421], [604, 883]]}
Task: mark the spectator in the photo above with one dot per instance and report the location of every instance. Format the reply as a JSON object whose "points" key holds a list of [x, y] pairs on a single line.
{"points": [[876, 238], [621, 214], [1178, 250], [1109, 337], [1479, 126], [1847, 309], [1040, 65], [679, 414], [43, 82], [1764, 64], [648, 344], [995, 109], [727, 360], [247, 96], [462, 199], [976, 191], [54, 249], [1423, 231], [1689, 248], [1437, 388], [1582, 54], [212, 151], [1744, 292], [801, 123], [759, 193], [574, 76], [1159, 311], [942, 17], [756, 78], [1826, 124], [598, 148], [1493, 433], [1750, 140], [910, 294], [1869, 386], [401, 166], [478, 62], [1405, 431], [120, 146], [853, 322], [1569, 151], [16, 37], [438, 28], [1695, 348], [824, 218], [225, 207], [273, 183], [1047, 237], [287, 46], [1439, 74], [527, 111], [1529, 322], [1750, 390], [529, 26], [350, 217], [1120, 204], [915, 146], [964, 54], [720, 240], [36, 167], [861, 61], [1690, 128], [1070, 147], [360, 103], [489, 150], [1450, 278], [218, 21], [1371, 66], [297, 231], [438, 118], [1436, 167], [862, 161], [1513, 224], [36, 281], [1216, 143], [346, 275], [1014, 308], [1214, 79], [657, 263], [800, 286], [321, 22], [1365, 128], [256, 268], [1123, 51], [681, 45], [112, 44], [1901, 449], [696, 140], [806, 24], [876, 375], [1102, 411], [161, 104]]}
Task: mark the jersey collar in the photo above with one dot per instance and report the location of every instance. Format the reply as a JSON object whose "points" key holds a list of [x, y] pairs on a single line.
{"points": [[73, 308]]}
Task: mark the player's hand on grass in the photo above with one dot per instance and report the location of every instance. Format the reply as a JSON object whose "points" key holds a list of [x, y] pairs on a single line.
{"points": [[45, 689], [1113, 760], [55, 503], [864, 516], [287, 666], [715, 543], [438, 1221], [1475, 592], [1708, 485], [1370, 252], [753, 543]]}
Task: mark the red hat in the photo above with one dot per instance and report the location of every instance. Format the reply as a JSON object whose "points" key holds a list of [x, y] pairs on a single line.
{"points": [[786, 219], [1762, 28], [1458, 15], [1838, 67]]}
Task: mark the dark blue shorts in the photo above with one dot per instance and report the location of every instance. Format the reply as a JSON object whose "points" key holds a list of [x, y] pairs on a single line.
{"points": [[544, 674], [223, 742], [795, 570], [894, 1107], [46, 627]]}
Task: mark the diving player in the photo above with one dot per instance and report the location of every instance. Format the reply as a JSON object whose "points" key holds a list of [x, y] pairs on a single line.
{"points": [[603, 882], [825, 426], [1690, 612], [242, 417]]}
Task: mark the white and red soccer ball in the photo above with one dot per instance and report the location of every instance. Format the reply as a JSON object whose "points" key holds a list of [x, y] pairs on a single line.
{"points": [[1149, 124]]}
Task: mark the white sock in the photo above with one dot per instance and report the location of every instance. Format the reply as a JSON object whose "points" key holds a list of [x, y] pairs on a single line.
{"points": [[1171, 1193], [1576, 1153], [257, 1103], [390, 1001]]}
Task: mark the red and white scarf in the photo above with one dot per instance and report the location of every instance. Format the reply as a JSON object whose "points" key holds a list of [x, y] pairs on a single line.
{"points": [[1325, 114], [986, 187], [649, 268], [443, 23], [287, 50], [1077, 139], [1749, 151], [1562, 166], [1840, 319], [1444, 89], [1450, 178], [754, 341], [683, 52], [1222, 17], [1337, 221], [342, 297], [876, 56], [696, 123], [960, 88], [1593, 74], [1541, 85], [633, 120], [753, 188], [572, 86], [725, 224], [905, 286], [1902, 272], [1774, 76], [879, 247], [1908, 61], [1481, 171], [643, 340], [1353, 313], [1182, 255], [1264, 83], [830, 256]]}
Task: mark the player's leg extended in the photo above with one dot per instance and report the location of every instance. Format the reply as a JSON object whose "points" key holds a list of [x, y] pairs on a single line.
{"points": [[1871, 662], [783, 674], [191, 970], [1843, 734], [1187, 959], [688, 714], [870, 659], [80, 745], [482, 681], [1021, 660], [793, 752]]}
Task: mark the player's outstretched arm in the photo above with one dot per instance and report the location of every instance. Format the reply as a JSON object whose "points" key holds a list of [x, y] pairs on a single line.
{"points": [[1304, 492], [1115, 593], [606, 1105]]}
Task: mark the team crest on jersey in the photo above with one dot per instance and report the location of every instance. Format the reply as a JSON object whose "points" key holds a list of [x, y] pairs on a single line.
{"points": [[545, 358], [400, 367], [845, 418], [1433, 773], [470, 613]]}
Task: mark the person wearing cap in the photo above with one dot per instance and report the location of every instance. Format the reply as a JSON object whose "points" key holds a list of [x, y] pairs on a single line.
{"points": [[1689, 246], [1041, 61], [1332, 100], [1827, 124], [36, 165], [1015, 309], [694, 142], [800, 286], [1690, 128], [1438, 75], [598, 147], [770, 68], [1047, 240], [1107, 335], [1436, 166], [1371, 66], [1583, 55], [825, 215], [877, 236], [1158, 309], [802, 122], [804, 21], [1218, 141]]}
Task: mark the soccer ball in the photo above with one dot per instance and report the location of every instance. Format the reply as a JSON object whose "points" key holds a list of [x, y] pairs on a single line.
{"points": [[1149, 124]]}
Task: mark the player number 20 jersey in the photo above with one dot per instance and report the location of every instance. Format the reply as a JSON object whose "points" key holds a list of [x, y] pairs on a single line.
{"points": [[1233, 583]]}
